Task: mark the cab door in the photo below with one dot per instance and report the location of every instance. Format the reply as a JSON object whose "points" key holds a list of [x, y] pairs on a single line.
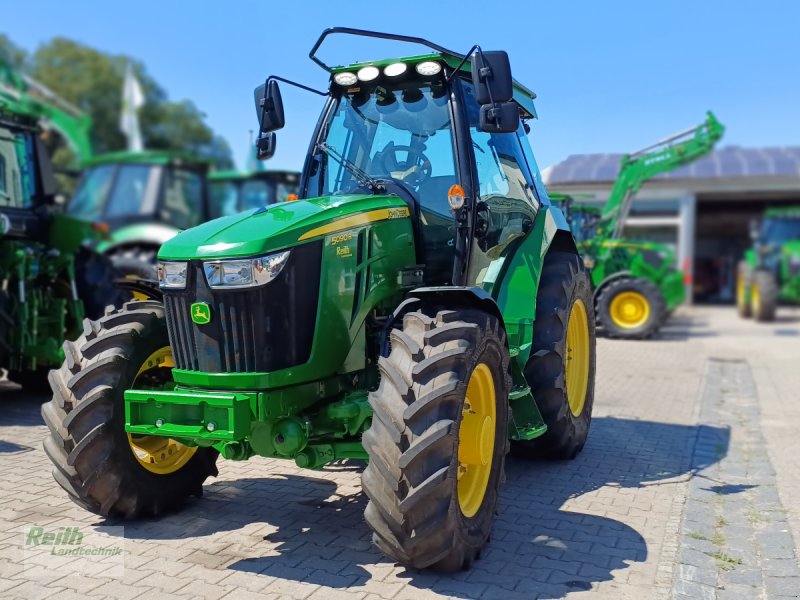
{"points": [[506, 203]]}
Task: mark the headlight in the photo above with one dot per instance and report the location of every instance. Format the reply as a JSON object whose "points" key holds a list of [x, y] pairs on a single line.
{"points": [[172, 275], [247, 272], [428, 68]]}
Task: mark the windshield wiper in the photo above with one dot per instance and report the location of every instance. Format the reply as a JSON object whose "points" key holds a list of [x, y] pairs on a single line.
{"points": [[360, 174]]}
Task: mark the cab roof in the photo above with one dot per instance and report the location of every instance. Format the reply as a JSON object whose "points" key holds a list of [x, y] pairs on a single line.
{"points": [[149, 157]]}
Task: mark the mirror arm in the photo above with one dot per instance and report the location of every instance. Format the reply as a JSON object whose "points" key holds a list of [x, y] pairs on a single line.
{"points": [[463, 60], [289, 82]]}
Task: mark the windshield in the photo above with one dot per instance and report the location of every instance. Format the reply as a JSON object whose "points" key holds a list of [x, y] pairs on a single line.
{"points": [[17, 168], [400, 132], [182, 202], [778, 231]]}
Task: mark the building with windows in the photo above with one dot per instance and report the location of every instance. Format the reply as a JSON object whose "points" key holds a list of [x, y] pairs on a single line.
{"points": [[703, 210]]}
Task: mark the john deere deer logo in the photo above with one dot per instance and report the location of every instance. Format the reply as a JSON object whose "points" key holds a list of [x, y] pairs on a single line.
{"points": [[201, 313]]}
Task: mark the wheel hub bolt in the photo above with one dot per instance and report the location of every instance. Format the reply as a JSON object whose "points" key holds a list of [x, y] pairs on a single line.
{"points": [[211, 426], [159, 422]]}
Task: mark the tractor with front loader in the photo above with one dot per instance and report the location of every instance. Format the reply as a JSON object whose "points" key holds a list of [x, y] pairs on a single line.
{"points": [[50, 280], [636, 283], [421, 307], [770, 271]]}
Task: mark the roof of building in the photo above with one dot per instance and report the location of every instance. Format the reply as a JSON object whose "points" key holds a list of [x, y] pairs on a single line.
{"points": [[726, 163]]}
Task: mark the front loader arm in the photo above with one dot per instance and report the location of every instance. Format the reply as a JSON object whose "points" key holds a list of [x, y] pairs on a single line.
{"points": [[663, 156]]}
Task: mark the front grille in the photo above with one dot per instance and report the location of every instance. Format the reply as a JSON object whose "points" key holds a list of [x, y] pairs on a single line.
{"points": [[258, 329]]}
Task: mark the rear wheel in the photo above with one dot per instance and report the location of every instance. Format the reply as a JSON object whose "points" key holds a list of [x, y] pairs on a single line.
{"points": [[630, 308], [438, 439], [562, 364], [104, 469], [764, 296], [744, 282]]}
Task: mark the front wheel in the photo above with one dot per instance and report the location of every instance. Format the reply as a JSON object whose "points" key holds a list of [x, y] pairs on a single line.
{"points": [[764, 296], [102, 468], [630, 308], [438, 439]]}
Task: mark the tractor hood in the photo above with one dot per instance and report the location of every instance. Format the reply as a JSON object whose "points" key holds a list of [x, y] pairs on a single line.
{"points": [[792, 248], [280, 226]]}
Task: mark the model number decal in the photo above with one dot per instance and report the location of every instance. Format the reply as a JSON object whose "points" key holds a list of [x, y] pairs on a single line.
{"points": [[342, 237]]}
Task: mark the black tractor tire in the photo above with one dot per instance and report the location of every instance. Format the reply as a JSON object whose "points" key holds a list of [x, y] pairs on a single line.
{"points": [[94, 279], [643, 288], [764, 296], [563, 284], [413, 442], [91, 455], [744, 283]]}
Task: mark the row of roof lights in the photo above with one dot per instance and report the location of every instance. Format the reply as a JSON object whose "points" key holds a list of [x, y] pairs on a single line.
{"points": [[368, 73]]}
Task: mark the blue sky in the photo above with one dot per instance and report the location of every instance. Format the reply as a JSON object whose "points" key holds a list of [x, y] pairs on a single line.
{"points": [[611, 76]]}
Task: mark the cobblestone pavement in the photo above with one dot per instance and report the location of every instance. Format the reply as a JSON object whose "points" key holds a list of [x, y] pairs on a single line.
{"points": [[689, 484]]}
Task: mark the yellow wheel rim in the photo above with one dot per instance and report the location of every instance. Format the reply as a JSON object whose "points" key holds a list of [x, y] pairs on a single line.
{"points": [[157, 454], [136, 295], [740, 290], [630, 310], [577, 358], [755, 298], [476, 440]]}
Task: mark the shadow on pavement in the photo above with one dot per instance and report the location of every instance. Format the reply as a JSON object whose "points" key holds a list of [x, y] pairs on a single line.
{"points": [[537, 547], [20, 407]]}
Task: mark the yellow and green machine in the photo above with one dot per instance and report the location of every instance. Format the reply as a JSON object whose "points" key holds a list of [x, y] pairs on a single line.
{"points": [[50, 279], [140, 200], [636, 283], [770, 271], [422, 307]]}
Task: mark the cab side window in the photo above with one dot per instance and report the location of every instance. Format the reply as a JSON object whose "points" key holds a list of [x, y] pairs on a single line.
{"points": [[507, 205]]}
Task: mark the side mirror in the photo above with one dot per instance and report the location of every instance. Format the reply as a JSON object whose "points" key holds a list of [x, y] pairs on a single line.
{"points": [[265, 145], [491, 76], [499, 118], [269, 107], [494, 90]]}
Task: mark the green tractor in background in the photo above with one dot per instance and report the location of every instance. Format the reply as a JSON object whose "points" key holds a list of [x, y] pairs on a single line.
{"points": [[422, 307], [770, 271], [140, 200], [236, 191], [51, 280], [636, 283]]}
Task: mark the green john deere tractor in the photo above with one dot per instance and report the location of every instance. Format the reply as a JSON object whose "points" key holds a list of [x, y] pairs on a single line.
{"points": [[236, 191], [422, 307], [770, 271], [140, 200], [636, 283], [50, 280]]}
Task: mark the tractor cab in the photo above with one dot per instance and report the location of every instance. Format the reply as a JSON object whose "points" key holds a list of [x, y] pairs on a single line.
{"points": [[428, 130], [778, 227], [123, 188], [234, 191]]}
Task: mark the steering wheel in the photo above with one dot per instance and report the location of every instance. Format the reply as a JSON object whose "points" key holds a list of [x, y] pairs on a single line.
{"points": [[412, 171]]}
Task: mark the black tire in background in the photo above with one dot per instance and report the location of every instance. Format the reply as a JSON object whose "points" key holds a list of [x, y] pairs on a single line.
{"points": [[744, 283], [612, 327], [764, 296], [91, 454], [411, 480], [94, 279], [563, 284]]}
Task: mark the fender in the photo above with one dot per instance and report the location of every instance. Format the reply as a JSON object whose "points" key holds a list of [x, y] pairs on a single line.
{"points": [[450, 296], [140, 234]]}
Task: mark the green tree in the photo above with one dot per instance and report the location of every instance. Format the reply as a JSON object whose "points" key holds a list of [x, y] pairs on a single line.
{"points": [[11, 54], [92, 80]]}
